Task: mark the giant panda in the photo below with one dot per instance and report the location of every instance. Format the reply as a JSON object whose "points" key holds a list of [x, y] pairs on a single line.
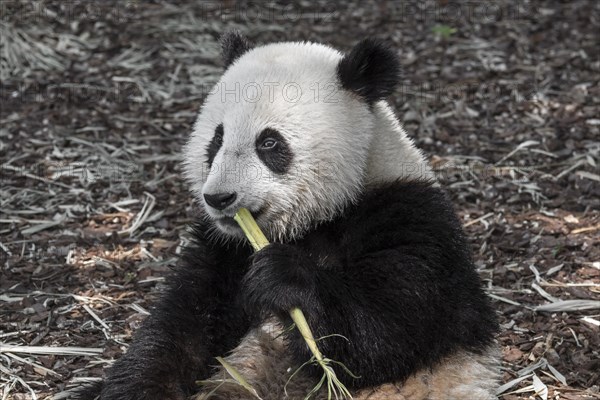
{"points": [[363, 240]]}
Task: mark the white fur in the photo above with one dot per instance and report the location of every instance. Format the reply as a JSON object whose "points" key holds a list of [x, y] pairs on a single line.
{"points": [[339, 145], [393, 154]]}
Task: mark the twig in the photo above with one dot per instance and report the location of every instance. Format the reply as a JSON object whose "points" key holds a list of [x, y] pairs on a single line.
{"points": [[68, 351], [39, 178], [478, 219], [586, 229]]}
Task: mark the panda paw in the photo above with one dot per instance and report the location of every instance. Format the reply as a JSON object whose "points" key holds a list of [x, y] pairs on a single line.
{"points": [[281, 277]]}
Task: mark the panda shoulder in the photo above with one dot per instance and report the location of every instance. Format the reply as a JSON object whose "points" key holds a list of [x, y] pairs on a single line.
{"points": [[407, 200]]}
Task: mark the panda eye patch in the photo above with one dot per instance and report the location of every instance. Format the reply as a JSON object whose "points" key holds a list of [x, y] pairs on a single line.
{"points": [[215, 145], [274, 151]]}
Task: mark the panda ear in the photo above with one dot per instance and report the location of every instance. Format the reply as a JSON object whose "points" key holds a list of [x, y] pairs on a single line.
{"points": [[233, 46], [371, 70]]}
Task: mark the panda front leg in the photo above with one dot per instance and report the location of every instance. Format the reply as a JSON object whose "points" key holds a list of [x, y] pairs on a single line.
{"points": [[395, 312], [198, 318]]}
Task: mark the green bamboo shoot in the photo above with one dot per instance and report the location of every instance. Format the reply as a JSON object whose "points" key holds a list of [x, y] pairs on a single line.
{"points": [[334, 386]]}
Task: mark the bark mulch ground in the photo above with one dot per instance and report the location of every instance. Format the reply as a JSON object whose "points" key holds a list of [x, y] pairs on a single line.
{"points": [[98, 99]]}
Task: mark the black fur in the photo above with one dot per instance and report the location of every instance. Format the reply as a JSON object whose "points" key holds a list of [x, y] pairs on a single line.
{"points": [[371, 70], [198, 318], [215, 145], [87, 392], [270, 289], [233, 46], [393, 275], [278, 158]]}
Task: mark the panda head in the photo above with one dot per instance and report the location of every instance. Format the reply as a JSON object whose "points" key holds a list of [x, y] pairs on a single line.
{"points": [[286, 133]]}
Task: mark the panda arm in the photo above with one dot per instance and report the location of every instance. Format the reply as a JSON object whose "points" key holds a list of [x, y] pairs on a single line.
{"points": [[198, 318], [400, 288]]}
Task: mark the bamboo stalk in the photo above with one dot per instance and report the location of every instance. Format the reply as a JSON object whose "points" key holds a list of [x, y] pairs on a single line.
{"points": [[246, 221], [334, 386]]}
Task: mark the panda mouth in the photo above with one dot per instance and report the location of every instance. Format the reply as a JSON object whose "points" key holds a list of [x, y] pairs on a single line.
{"points": [[230, 222]]}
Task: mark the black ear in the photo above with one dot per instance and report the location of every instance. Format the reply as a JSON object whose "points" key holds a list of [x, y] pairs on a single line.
{"points": [[233, 45], [370, 70]]}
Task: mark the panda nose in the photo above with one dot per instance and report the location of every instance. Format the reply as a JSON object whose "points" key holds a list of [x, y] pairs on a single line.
{"points": [[220, 201]]}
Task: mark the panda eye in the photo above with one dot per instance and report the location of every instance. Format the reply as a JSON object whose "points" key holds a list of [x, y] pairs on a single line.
{"points": [[268, 144]]}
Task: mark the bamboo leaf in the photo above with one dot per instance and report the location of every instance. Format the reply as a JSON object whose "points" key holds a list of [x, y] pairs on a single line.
{"points": [[238, 377]]}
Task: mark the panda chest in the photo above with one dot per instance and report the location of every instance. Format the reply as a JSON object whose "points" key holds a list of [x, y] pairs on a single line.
{"points": [[324, 250]]}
